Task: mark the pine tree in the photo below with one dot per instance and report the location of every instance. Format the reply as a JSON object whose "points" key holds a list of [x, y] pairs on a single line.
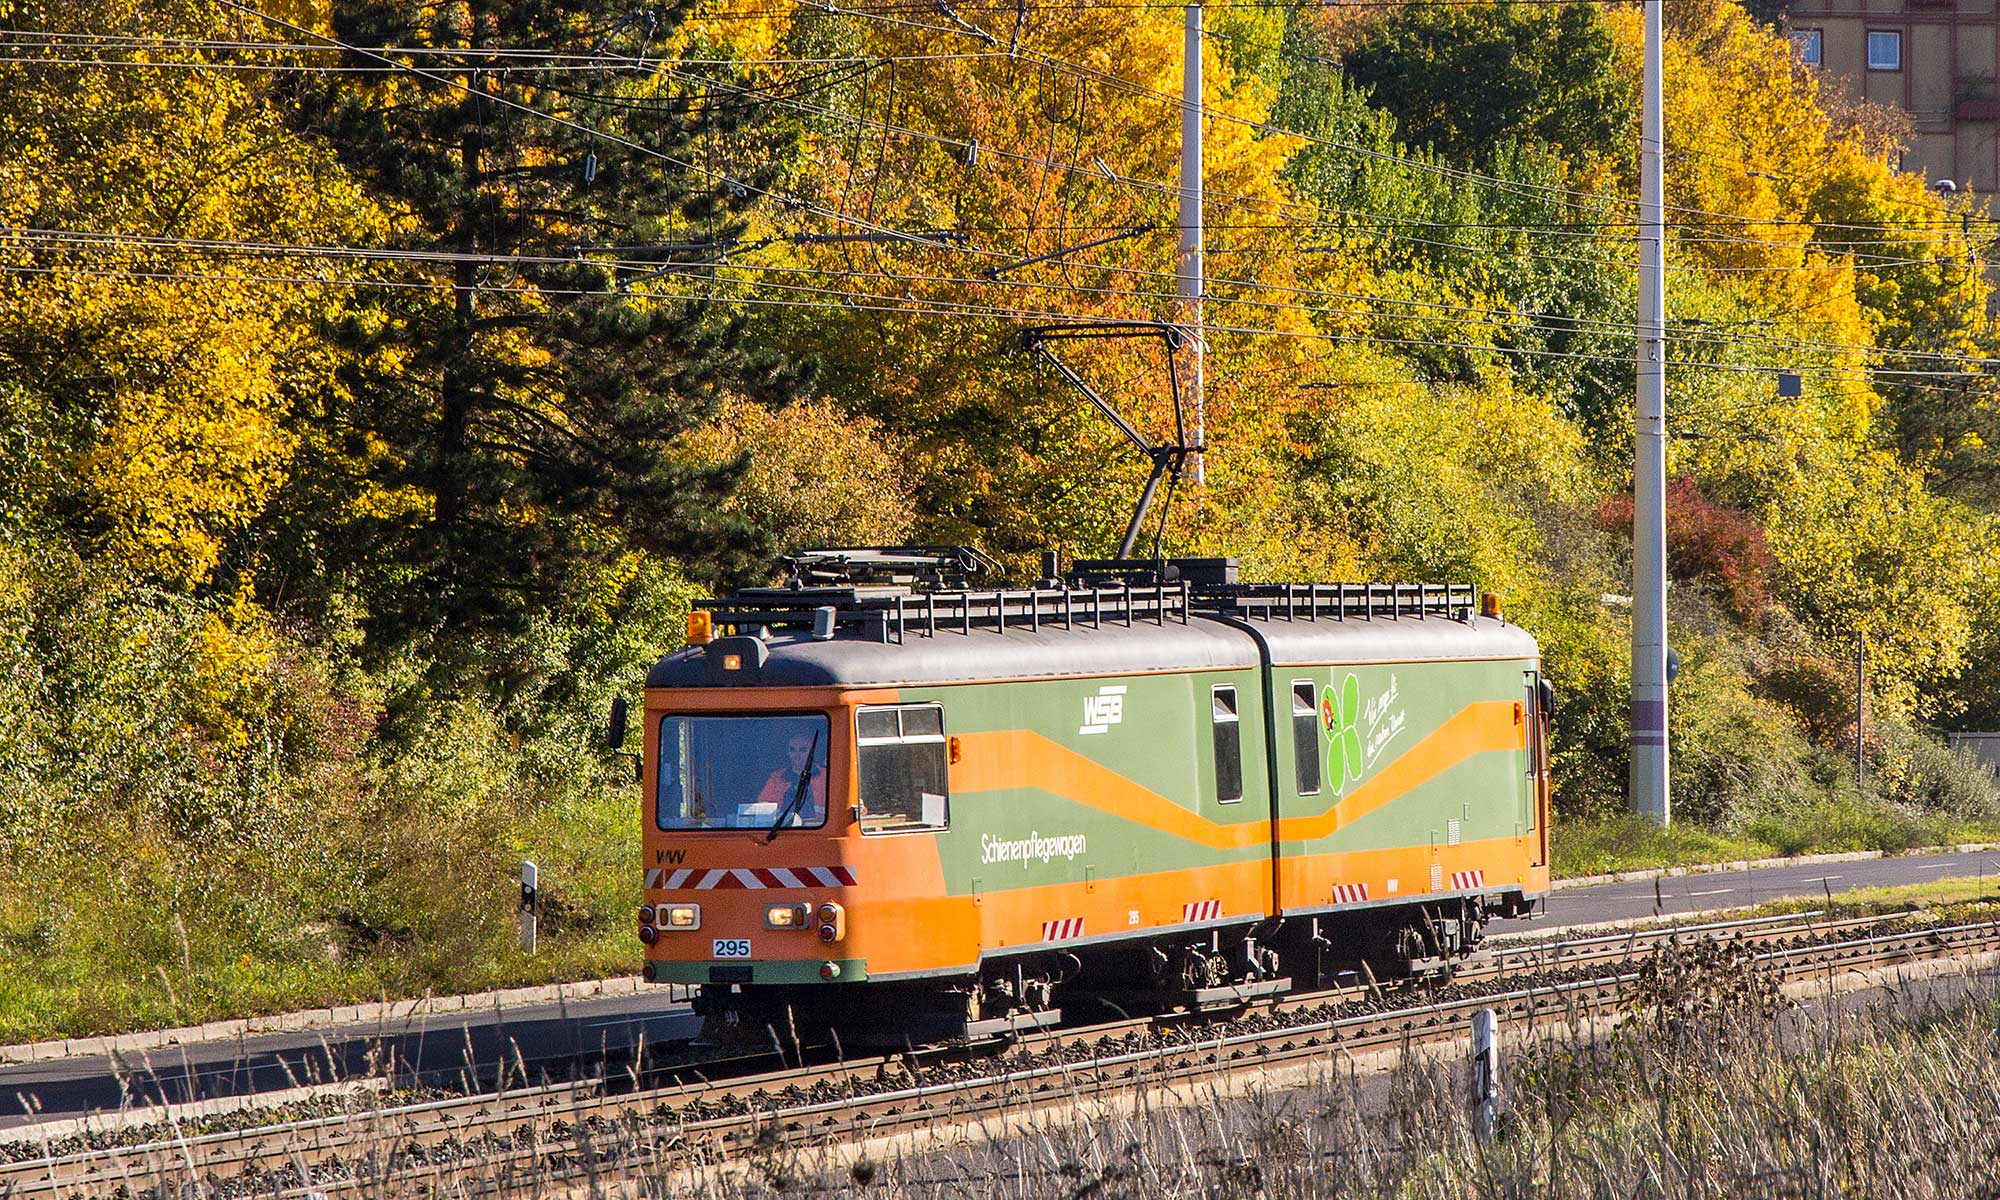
{"points": [[515, 412]]}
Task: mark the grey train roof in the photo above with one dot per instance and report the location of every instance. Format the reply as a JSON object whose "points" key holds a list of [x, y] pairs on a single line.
{"points": [[916, 639], [1302, 643], [795, 660]]}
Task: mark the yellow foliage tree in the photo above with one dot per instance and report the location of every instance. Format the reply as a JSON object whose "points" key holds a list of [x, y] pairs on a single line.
{"points": [[159, 358], [1052, 171]]}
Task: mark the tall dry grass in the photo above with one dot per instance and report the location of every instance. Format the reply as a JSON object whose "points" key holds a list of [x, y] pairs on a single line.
{"points": [[1710, 1087], [1709, 1084]]}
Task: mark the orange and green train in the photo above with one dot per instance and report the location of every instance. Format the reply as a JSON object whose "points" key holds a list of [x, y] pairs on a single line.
{"points": [[883, 794]]}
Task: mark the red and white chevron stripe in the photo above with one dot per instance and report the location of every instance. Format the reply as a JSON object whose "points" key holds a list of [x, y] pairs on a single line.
{"points": [[749, 877], [1468, 879], [1349, 893], [1068, 927], [1202, 910]]}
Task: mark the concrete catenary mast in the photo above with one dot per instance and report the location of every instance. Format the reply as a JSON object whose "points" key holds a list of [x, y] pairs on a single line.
{"points": [[1188, 270], [1649, 468]]}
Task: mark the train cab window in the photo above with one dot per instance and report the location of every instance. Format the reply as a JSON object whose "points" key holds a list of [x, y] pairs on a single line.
{"points": [[1228, 745], [902, 766], [1305, 734], [749, 772]]}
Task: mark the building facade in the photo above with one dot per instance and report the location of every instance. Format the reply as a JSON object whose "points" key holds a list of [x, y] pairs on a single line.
{"points": [[1937, 60]]}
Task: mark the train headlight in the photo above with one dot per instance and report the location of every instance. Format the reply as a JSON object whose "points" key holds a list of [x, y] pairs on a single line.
{"points": [[645, 914], [648, 934], [787, 916], [681, 916]]}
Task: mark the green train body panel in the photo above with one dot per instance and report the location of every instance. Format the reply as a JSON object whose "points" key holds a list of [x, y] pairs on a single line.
{"points": [[1490, 794], [1162, 742]]}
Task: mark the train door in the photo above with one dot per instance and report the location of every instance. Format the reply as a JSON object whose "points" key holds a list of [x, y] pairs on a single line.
{"points": [[1299, 706], [1239, 795], [1540, 709], [1316, 723]]}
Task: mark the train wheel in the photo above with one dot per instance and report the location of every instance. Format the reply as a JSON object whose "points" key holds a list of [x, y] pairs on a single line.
{"points": [[1395, 951]]}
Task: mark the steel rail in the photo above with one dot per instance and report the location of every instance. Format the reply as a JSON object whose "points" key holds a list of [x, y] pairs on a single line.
{"points": [[503, 1113], [682, 1144], [491, 1128]]}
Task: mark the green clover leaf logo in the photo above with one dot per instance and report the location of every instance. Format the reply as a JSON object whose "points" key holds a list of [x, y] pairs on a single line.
{"points": [[1338, 712]]}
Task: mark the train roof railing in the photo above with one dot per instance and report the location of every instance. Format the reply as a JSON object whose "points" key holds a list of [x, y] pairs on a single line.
{"points": [[889, 614], [1339, 601], [891, 593]]}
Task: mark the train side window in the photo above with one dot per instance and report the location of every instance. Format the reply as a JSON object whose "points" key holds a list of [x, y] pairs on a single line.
{"points": [[902, 765], [1228, 745], [1305, 734]]}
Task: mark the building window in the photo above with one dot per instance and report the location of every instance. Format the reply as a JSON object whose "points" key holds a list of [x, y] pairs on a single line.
{"points": [[1885, 50], [1806, 44]]}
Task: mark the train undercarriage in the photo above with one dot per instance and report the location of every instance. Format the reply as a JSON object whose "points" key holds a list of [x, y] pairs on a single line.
{"points": [[1214, 970]]}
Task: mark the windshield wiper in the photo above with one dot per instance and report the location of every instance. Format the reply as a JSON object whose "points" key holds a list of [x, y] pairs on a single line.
{"points": [[798, 793]]}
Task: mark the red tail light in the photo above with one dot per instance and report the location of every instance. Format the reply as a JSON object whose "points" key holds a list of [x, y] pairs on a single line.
{"points": [[832, 922]]}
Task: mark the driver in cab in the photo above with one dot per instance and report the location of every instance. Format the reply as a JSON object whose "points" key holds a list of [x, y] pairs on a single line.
{"points": [[776, 795]]}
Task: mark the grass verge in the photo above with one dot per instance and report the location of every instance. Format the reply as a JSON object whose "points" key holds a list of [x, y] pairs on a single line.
{"points": [[1630, 843]]}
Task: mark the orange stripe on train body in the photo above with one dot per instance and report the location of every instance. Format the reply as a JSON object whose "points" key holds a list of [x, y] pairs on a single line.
{"points": [[1022, 758], [1015, 919]]}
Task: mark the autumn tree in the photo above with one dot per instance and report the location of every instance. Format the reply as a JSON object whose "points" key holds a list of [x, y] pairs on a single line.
{"points": [[514, 404], [1464, 80], [150, 362]]}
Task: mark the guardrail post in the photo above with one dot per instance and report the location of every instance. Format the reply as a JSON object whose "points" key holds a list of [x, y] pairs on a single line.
{"points": [[1485, 1071]]}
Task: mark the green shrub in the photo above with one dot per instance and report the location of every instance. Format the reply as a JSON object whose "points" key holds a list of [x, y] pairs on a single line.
{"points": [[1916, 768], [202, 814]]}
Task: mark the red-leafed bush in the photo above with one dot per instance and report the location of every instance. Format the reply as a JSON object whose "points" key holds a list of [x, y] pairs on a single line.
{"points": [[1713, 543]]}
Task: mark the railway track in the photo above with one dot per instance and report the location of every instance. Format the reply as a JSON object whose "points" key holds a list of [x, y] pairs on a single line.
{"points": [[475, 1144]]}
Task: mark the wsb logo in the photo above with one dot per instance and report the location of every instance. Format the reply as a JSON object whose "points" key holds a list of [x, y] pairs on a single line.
{"points": [[1105, 709]]}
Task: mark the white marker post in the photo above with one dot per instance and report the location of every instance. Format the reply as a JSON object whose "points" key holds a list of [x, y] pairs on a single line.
{"points": [[1485, 1071], [530, 901]]}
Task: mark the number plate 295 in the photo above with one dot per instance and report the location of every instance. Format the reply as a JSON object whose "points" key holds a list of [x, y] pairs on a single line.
{"points": [[732, 947]]}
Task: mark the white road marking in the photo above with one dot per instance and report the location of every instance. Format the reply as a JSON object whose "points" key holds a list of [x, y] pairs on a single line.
{"points": [[1715, 892]]}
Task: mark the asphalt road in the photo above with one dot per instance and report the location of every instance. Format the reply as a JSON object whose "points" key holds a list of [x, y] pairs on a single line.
{"points": [[1738, 889], [440, 1048], [445, 1046]]}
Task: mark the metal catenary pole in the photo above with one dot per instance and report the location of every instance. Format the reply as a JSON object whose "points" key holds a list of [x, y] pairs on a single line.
{"points": [[1649, 473], [1189, 267]]}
